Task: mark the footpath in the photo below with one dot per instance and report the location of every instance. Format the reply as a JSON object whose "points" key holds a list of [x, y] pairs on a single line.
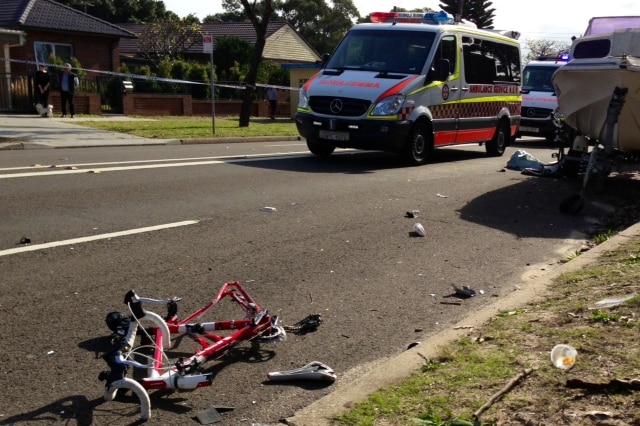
{"points": [[33, 132]]}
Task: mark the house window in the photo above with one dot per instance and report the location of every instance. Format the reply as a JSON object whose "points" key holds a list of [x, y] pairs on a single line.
{"points": [[45, 50]]}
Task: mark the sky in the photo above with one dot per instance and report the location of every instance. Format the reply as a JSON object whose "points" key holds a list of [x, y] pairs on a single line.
{"points": [[539, 19]]}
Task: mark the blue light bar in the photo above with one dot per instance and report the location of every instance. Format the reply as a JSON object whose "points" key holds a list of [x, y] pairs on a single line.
{"points": [[438, 18]]}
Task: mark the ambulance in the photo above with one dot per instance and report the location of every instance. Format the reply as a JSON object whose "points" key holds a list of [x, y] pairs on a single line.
{"points": [[411, 82], [539, 100]]}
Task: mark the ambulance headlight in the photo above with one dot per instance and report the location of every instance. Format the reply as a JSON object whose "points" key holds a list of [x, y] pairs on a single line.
{"points": [[389, 106], [303, 99]]}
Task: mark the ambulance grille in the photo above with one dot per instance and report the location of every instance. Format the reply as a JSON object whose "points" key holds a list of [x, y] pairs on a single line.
{"points": [[531, 112], [344, 107]]}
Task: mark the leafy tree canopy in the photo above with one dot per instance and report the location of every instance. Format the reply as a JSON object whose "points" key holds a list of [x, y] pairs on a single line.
{"points": [[315, 21], [168, 39], [479, 12], [540, 47]]}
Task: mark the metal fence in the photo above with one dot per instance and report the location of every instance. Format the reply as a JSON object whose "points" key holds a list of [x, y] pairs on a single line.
{"points": [[18, 91]]}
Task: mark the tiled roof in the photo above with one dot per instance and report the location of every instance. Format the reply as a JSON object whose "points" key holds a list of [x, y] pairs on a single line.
{"points": [[52, 16], [241, 30]]}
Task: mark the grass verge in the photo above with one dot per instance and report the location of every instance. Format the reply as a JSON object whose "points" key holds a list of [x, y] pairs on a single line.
{"points": [[176, 127], [469, 372]]}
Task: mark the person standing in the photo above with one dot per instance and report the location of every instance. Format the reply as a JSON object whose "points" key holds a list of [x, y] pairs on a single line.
{"points": [[43, 81], [272, 96], [68, 84]]}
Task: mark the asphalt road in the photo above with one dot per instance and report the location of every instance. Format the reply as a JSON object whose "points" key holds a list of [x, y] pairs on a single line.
{"points": [[338, 244]]}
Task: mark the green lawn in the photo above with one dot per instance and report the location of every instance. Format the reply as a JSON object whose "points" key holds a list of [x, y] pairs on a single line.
{"points": [[194, 127]]}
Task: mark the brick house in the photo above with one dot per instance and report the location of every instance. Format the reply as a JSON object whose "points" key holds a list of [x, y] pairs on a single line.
{"points": [[34, 29], [53, 28]]}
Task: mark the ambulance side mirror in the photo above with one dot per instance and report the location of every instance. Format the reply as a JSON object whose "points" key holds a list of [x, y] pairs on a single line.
{"points": [[325, 59], [441, 69]]}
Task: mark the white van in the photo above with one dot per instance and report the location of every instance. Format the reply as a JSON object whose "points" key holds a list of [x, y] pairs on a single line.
{"points": [[539, 100], [411, 82]]}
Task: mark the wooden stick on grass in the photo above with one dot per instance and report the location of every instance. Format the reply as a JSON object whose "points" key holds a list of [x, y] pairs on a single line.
{"points": [[512, 383]]}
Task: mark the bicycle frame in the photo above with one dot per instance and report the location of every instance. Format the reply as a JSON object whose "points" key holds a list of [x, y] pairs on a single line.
{"points": [[182, 374]]}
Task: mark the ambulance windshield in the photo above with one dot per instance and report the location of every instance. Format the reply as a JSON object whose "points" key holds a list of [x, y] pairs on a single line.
{"points": [[538, 78], [384, 51]]}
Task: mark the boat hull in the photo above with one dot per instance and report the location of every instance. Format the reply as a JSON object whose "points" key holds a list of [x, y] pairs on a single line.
{"points": [[585, 88]]}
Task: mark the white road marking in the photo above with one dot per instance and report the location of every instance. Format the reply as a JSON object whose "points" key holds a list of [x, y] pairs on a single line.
{"points": [[35, 247], [143, 164]]}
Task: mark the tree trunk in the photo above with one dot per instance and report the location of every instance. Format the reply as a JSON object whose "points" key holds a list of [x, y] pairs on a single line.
{"points": [[260, 25], [250, 87]]}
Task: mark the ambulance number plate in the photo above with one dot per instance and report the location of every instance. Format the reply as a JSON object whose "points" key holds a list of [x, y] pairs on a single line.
{"points": [[529, 129], [334, 136]]}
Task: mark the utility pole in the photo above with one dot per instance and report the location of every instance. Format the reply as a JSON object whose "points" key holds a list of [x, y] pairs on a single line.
{"points": [[460, 9], [86, 3]]}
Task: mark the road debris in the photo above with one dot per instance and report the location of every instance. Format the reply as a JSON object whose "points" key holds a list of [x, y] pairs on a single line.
{"points": [[563, 356], [610, 302], [315, 370], [465, 291], [419, 229]]}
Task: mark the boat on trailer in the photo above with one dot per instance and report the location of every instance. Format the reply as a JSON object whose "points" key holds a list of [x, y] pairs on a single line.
{"points": [[598, 94], [604, 74]]}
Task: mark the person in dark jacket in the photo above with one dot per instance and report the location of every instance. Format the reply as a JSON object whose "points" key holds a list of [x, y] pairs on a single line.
{"points": [[43, 81], [68, 84]]}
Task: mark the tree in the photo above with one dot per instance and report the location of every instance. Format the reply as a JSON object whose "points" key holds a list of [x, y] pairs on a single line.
{"points": [[260, 24], [479, 12], [541, 47], [228, 52], [234, 16], [168, 40], [320, 25], [123, 11]]}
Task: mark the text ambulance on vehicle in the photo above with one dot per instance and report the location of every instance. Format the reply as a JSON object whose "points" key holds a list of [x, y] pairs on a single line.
{"points": [[411, 82]]}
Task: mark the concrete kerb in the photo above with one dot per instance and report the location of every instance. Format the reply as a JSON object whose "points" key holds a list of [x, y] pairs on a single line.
{"points": [[23, 145], [357, 384]]}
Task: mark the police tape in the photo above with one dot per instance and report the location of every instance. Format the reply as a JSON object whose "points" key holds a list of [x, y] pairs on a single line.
{"points": [[148, 77]]}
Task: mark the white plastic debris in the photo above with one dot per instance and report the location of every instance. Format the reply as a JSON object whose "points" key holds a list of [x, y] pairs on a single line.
{"points": [[563, 356], [419, 229], [612, 301]]}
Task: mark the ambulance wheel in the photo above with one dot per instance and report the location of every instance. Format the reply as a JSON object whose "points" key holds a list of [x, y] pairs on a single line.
{"points": [[418, 149], [322, 149], [496, 146]]}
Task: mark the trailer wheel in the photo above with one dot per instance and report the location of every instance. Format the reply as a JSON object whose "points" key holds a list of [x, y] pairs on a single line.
{"points": [[419, 146], [496, 146], [322, 149]]}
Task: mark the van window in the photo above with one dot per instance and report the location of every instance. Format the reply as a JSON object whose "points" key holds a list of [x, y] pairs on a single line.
{"points": [[447, 50], [383, 51], [488, 62], [592, 49]]}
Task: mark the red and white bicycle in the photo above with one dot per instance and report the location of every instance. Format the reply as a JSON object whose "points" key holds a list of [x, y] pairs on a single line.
{"points": [[184, 374]]}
